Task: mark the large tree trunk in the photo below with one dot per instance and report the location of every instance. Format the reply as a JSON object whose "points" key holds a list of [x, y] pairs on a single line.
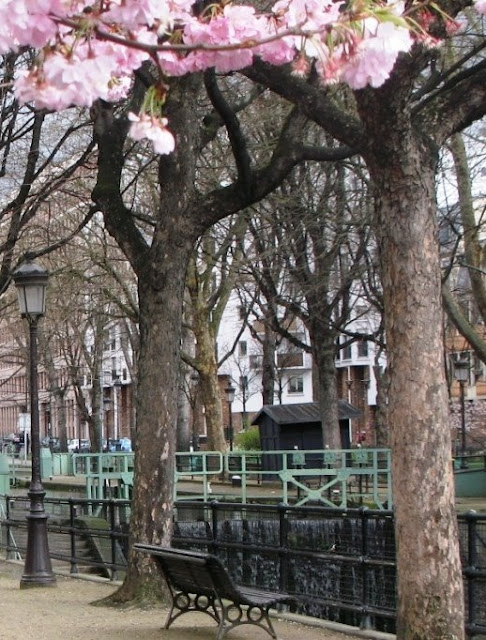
{"points": [[210, 393], [430, 589], [269, 348], [381, 421], [429, 568], [161, 268], [160, 299], [323, 354]]}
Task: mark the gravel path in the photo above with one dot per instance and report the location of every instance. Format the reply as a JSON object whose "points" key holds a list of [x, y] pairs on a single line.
{"points": [[64, 613]]}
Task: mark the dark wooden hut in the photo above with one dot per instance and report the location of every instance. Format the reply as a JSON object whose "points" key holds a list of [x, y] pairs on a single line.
{"points": [[298, 426]]}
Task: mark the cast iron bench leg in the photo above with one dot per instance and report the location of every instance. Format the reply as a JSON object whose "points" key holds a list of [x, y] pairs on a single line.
{"points": [[234, 615], [184, 603]]}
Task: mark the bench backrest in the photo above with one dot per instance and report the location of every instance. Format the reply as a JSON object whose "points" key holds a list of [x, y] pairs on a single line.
{"points": [[192, 571]]}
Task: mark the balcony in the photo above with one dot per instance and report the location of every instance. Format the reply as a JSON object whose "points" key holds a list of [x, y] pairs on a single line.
{"points": [[290, 359]]}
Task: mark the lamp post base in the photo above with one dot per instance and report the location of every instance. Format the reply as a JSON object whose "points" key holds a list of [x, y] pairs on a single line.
{"points": [[38, 568]]}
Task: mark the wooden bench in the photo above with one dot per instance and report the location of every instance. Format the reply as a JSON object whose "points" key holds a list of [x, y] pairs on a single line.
{"points": [[200, 582]]}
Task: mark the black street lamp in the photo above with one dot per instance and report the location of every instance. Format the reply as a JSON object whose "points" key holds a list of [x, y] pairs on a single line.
{"points": [[461, 373], [31, 282], [106, 425], [117, 385], [230, 396]]}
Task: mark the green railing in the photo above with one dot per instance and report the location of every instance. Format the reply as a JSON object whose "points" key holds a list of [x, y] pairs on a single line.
{"points": [[108, 475], [344, 477]]}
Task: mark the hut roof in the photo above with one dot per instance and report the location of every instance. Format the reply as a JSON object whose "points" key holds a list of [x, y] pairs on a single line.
{"points": [[302, 413]]}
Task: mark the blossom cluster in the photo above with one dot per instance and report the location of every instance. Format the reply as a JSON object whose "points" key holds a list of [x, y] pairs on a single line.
{"points": [[89, 49], [481, 6]]}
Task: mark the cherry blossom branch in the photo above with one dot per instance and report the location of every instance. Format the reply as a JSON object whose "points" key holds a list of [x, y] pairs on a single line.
{"points": [[91, 51], [297, 32]]}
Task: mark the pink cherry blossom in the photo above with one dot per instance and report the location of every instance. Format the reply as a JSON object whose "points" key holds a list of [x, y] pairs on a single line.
{"points": [[372, 59], [90, 50], [311, 15], [277, 52], [31, 87], [31, 22], [118, 89], [480, 6], [146, 12], [235, 25], [148, 127]]}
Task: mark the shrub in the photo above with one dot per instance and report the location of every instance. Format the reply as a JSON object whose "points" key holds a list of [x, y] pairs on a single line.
{"points": [[248, 440]]}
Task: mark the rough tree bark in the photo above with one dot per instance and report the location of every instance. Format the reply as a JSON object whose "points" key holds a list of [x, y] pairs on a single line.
{"points": [[323, 354], [402, 162], [160, 293], [160, 267], [209, 387]]}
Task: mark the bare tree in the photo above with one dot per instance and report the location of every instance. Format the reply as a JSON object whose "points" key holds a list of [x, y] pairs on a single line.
{"points": [[464, 291], [41, 155], [91, 292], [307, 258], [159, 248]]}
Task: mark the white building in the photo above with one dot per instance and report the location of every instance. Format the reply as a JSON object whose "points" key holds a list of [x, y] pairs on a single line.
{"points": [[243, 366], [356, 365]]}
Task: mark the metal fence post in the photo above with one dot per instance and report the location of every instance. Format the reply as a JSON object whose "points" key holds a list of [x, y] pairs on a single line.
{"points": [[214, 525], [12, 550], [365, 622], [113, 539], [283, 548], [471, 568], [72, 534]]}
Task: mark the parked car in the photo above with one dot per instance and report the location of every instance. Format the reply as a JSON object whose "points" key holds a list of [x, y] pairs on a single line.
{"points": [[125, 445], [54, 444], [79, 445], [120, 444], [18, 442]]}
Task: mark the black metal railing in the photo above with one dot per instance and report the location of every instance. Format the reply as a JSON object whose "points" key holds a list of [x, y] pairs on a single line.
{"points": [[87, 535], [339, 563]]}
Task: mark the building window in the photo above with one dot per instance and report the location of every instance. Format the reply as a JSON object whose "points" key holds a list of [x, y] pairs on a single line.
{"points": [[255, 362], [241, 312], [290, 355], [363, 349], [347, 352], [338, 351], [296, 384], [244, 383], [114, 371], [242, 348]]}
